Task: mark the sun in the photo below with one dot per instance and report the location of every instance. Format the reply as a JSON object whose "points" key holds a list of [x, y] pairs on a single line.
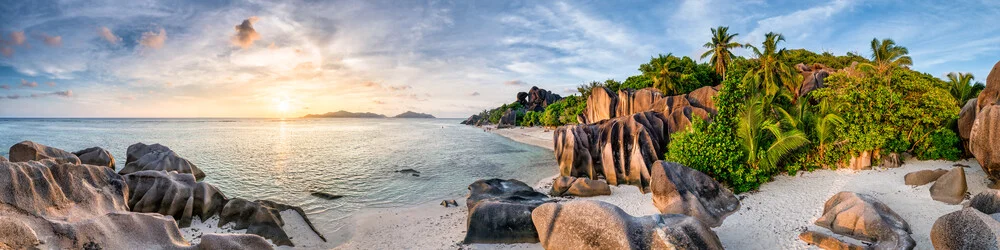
{"points": [[283, 106]]}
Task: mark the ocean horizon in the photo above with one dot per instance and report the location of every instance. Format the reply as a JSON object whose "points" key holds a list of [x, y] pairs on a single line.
{"points": [[287, 160]]}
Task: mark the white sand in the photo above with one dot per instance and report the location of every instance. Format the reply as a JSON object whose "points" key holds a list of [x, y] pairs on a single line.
{"points": [[295, 226], [537, 136], [770, 218]]}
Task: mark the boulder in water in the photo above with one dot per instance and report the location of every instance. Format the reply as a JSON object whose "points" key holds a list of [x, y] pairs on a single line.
{"points": [[262, 218], [173, 194], [950, 188], [966, 229], [96, 156], [500, 212], [136, 151], [681, 190], [31, 151], [600, 225]]}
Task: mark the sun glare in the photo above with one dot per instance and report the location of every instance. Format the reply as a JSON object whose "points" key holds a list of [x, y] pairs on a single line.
{"points": [[283, 106]]}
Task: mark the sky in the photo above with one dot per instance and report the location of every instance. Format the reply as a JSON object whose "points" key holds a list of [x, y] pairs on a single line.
{"points": [[210, 58]]}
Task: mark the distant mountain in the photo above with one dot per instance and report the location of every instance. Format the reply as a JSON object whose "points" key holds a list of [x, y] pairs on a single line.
{"points": [[344, 114], [411, 114]]}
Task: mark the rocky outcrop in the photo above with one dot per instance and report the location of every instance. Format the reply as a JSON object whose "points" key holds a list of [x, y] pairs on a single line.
{"points": [[500, 212], [2, 159], [966, 229], [509, 119], [812, 76], [923, 177], [667, 105], [984, 140], [173, 194], [160, 158], [991, 94], [620, 149], [681, 190], [966, 118], [950, 188], [680, 119], [579, 187], [574, 150], [891, 160], [987, 201], [472, 120], [637, 101], [262, 217], [536, 99], [704, 97], [602, 104], [599, 225], [862, 217], [74, 206], [96, 156], [827, 242], [31, 151]]}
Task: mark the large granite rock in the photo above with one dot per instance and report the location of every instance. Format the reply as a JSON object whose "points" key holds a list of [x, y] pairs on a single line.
{"points": [[261, 217], [74, 206], [966, 118], [574, 150], [669, 104], [174, 194], [136, 151], [508, 119], [966, 229], [31, 151], [599, 225], [987, 201], [500, 212], [812, 76], [950, 188], [636, 101], [922, 177], [704, 97], [991, 94], [681, 190], [681, 118], [536, 99], [579, 187], [864, 218], [827, 242], [984, 140], [602, 104], [162, 161], [96, 156], [629, 145], [2, 159]]}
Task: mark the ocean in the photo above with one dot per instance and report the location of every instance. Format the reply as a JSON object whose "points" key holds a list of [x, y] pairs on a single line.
{"points": [[286, 160]]}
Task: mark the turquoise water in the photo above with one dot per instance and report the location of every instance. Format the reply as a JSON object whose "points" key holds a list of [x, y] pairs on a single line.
{"points": [[285, 160]]}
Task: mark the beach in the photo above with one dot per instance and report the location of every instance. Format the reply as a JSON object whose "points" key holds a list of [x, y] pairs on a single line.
{"points": [[769, 218]]}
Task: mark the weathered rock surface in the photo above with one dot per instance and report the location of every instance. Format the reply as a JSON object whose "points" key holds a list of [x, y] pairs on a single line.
{"points": [[599, 225], [601, 105], [579, 187], [509, 119], [262, 218], [500, 212], [827, 242], [173, 194], [922, 177], [984, 139], [2, 159], [704, 97], [862, 217], [574, 151], [681, 190], [232, 241], [620, 149], [160, 160], [991, 93], [812, 76], [31, 151], [74, 206], [950, 188], [96, 156], [892, 160], [966, 229], [136, 151], [637, 101], [987, 201], [536, 99], [681, 118], [966, 118]]}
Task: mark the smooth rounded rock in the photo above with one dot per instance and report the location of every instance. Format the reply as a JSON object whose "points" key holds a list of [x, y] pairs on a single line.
{"points": [[31, 151], [681, 190], [922, 177], [96, 156], [500, 212], [951, 187], [966, 229], [864, 218], [984, 140]]}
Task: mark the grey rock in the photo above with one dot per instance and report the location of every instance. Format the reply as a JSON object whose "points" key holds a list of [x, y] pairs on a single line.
{"points": [[96, 156], [173, 194], [162, 161], [923, 177], [951, 187], [864, 218], [31, 151], [966, 229], [681, 190], [500, 212], [987, 201]]}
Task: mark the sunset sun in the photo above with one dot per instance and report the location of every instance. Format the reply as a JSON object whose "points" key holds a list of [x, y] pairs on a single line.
{"points": [[283, 106]]}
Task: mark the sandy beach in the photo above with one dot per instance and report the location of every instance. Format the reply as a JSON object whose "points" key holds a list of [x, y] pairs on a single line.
{"points": [[769, 218]]}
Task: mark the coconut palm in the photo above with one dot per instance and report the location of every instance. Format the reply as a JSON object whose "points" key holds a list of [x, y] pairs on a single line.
{"points": [[763, 140], [962, 88], [719, 49], [663, 77], [886, 55], [771, 71], [586, 89]]}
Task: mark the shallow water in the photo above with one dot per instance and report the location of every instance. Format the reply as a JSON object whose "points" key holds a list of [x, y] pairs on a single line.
{"points": [[286, 160]]}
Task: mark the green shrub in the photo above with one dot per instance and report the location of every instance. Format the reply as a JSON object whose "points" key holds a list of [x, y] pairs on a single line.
{"points": [[637, 82], [943, 143]]}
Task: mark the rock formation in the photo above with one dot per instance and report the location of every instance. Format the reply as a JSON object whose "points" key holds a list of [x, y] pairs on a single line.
{"points": [[96, 156], [599, 225], [966, 229], [966, 118], [602, 104], [157, 157], [922, 177], [173, 194], [500, 212], [812, 76], [984, 139], [508, 119], [637, 101], [74, 206], [536, 99], [991, 94], [574, 151], [681, 190], [862, 217], [950, 188], [987, 201], [262, 218], [31, 151], [704, 97], [2, 159], [579, 187]]}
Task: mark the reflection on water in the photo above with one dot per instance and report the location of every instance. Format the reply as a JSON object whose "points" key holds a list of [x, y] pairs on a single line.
{"points": [[286, 160]]}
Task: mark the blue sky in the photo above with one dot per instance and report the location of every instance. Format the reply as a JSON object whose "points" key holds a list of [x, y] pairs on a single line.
{"points": [[449, 58]]}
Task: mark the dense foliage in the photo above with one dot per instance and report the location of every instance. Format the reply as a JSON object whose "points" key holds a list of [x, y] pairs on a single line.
{"points": [[637, 82], [564, 111], [797, 56], [673, 75]]}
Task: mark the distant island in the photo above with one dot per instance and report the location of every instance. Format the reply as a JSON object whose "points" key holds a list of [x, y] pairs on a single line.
{"points": [[411, 114], [347, 114]]}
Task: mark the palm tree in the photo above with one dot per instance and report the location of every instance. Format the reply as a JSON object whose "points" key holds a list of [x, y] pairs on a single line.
{"points": [[825, 123], [664, 79], [764, 141], [586, 89], [962, 88], [886, 54], [719, 48], [771, 71]]}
